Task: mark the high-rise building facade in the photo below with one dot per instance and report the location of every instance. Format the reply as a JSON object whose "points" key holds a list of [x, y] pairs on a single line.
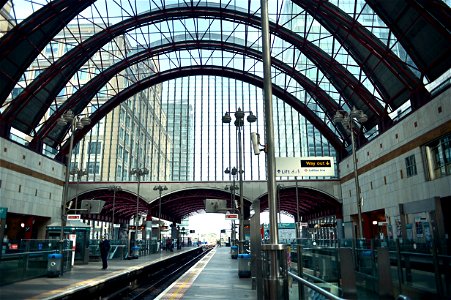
{"points": [[133, 134]]}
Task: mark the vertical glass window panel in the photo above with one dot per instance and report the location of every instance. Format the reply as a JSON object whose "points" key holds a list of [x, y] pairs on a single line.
{"points": [[82, 75], [411, 166], [76, 149], [94, 147], [94, 107], [121, 133], [127, 139], [119, 172], [93, 167], [37, 72], [120, 151], [16, 91], [62, 92], [125, 157], [52, 109], [438, 155]]}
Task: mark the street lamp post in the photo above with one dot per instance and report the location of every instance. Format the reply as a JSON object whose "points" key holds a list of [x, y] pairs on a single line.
{"points": [[79, 174], [160, 189], [114, 188], [233, 188], [138, 172], [347, 120], [239, 123], [76, 122]]}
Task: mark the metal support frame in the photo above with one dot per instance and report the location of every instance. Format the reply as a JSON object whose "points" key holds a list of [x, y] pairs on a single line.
{"points": [[347, 120], [160, 189], [138, 172], [115, 189], [239, 122]]}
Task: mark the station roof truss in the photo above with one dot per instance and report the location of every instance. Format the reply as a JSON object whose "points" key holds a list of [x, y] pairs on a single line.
{"points": [[310, 204], [393, 79]]}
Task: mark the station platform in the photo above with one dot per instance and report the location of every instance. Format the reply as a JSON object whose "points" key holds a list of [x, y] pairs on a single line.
{"points": [[80, 276], [214, 277]]}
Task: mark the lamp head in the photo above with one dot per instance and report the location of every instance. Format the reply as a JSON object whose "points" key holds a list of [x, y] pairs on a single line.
{"points": [[79, 125], [61, 122], [227, 171], [68, 116], [362, 117], [239, 114], [234, 171], [226, 119], [338, 118], [85, 121], [251, 118]]}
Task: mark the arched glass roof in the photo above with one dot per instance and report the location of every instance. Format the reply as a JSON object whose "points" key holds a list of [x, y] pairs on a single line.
{"points": [[156, 77]]}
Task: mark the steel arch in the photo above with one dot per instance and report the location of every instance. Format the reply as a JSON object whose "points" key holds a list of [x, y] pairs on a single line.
{"points": [[203, 70], [57, 74], [52, 134]]}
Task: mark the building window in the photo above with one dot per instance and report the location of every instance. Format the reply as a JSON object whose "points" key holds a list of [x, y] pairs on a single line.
{"points": [[119, 172], [120, 151], [439, 157], [411, 166], [93, 167], [94, 147], [121, 133], [76, 149]]}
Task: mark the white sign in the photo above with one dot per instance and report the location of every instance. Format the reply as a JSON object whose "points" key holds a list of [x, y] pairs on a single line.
{"points": [[231, 216], [73, 238], [305, 166]]}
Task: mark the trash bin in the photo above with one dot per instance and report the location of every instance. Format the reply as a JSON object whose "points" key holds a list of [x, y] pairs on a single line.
{"points": [[54, 264], [135, 251], [234, 252], [244, 265]]}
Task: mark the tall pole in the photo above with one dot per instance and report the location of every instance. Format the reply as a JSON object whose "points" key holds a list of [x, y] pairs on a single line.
{"points": [[277, 282], [298, 243], [356, 180], [137, 211], [66, 185], [233, 206], [114, 210], [159, 218], [267, 92], [160, 189], [347, 120], [240, 171]]}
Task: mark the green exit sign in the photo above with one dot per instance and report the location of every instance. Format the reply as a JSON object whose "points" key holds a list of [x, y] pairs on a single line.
{"points": [[313, 163]]}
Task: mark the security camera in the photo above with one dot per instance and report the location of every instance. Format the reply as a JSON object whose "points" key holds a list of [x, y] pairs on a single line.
{"points": [[255, 138]]}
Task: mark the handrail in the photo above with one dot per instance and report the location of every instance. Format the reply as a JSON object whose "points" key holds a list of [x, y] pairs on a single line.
{"points": [[323, 292]]}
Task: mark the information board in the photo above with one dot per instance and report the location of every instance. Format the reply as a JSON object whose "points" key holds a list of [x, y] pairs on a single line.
{"points": [[305, 166]]}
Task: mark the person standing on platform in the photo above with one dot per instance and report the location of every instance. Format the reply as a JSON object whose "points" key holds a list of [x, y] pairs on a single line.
{"points": [[104, 250]]}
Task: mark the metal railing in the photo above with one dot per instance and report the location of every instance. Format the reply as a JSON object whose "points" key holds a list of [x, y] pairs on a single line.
{"points": [[314, 287]]}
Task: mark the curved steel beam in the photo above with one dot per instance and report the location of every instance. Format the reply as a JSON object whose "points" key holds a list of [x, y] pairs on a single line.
{"points": [[51, 134], [125, 202], [20, 46], [57, 75], [391, 76], [423, 29], [203, 70], [311, 202]]}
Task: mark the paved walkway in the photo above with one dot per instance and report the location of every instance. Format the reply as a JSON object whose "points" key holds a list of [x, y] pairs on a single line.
{"points": [[214, 277]]}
